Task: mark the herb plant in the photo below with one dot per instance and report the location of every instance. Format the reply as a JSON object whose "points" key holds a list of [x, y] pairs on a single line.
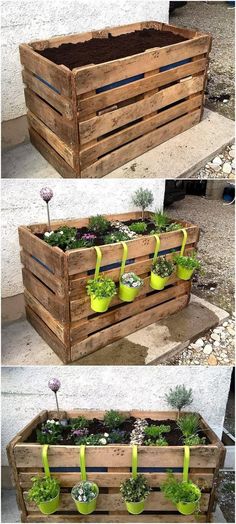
{"points": [[84, 491], [135, 489], [49, 433], [131, 280], [143, 198], [101, 287], [43, 489], [163, 224], [113, 419], [66, 238], [98, 225], [138, 227], [189, 426], [79, 423], [188, 262], [163, 267], [114, 238], [179, 491], [179, 397], [154, 435]]}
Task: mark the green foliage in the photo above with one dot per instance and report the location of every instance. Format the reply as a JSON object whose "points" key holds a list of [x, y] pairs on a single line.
{"points": [[154, 435], [113, 419], [43, 489], [114, 238], [65, 238], [194, 440], [163, 224], [135, 489], [131, 280], [85, 491], [138, 227], [179, 397], [91, 440], [179, 491], [49, 433], [188, 262], [116, 436], [142, 198], [189, 426], [98, 224], [79, 423], [163, 267], [101, 287]]}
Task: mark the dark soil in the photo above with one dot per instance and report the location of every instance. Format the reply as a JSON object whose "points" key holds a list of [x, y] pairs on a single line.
{"points": [[100, 50], [174, 437]]}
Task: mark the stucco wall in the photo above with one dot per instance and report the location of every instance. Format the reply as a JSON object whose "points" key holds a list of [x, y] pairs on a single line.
{"points": [[25, 391], [26, 21], [22, 205]]}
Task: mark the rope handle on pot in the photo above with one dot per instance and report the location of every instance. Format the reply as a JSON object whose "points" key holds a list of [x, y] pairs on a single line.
{"points": [[134, 461], [157, 247], [185, 236], [124, 258], [186, 463], [45, 460], [82, 463], [98, 262]]}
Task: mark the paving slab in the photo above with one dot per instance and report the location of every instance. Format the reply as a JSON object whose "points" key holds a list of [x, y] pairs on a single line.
{"points": [[181, 156], [21, 344]]}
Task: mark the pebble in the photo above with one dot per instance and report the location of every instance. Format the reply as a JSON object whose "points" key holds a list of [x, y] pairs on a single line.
{"points": [[199, 343], [225, 324], [215, 336], [216, 344], [217, 160], [207, 349], [231, 331], [232, 153], [227, 168], [212, 360]]}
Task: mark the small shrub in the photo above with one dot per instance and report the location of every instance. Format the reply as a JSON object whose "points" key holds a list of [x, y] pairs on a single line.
{"points": [[43, 489], [101, 287], [135, 489], [113, 419], [189, 426], [188, 262], [66, 238], [116, 436], [163, 267], [85, 491], [100, 439], [154, 435], [79, 423], [143, 198], [114, 238], [179, 491], [138, 227], [131, 280], [163, 224], [49, 433], [194, 440], [98, 225], [179, 397]]}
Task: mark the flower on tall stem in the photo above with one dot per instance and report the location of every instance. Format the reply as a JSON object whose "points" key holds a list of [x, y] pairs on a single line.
{"points": [[46, 194]]}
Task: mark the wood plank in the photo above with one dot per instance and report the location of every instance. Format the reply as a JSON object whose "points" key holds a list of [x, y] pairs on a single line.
{"points": [[51, 257], [57, 123], [97, 126], [55, 75], [119, 94], [51, 156], [96, 518], [29, 455], [114, 141], [126, 327], [53, 324], [59, 102], [50, 280], [82, 222], [52, 139], [52, 340], [126, 153], [94, 76]]}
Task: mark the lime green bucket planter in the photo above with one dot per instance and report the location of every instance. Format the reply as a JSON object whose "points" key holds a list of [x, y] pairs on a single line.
{"points": [[158, 283], [50, 506], [128, 294], [100, 305], [188, 508], [85, 508], [135, 508], [183, 273]]}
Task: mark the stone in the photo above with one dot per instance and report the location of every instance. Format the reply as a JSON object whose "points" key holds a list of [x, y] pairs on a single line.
{"points": [[225, 324], [215, 167], [217, 160], [231, 331], [212, 360], [199, 343], [232, 153], [227, 168], [215, 336], [216, 344], [207, 349]]}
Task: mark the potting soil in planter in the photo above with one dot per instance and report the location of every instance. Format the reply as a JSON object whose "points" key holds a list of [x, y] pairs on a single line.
{"points": [[100, 50]]}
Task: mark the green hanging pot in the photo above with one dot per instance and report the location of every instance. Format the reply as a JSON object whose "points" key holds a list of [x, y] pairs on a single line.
{"points": [[183, 273], [85, 508], [135, 508], [158, 283], [128, 294], [100, 305], [50, 506], [188, 508]]}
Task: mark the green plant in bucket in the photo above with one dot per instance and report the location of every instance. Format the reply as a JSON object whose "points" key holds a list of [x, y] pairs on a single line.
{"points": [[187, 265], [130, 285], [134, 492], [184, 494], [85, 496], [101, 290], [162, 269], [45, 492]]}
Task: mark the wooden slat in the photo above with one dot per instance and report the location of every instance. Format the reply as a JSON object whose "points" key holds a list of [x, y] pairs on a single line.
{"points": [[100, 125], [126, 153], [52, 139], [150, 123], [58, 77], [61, 350], [53, 324], [59, 102], [50, 280], [51, 257], [82, 222], [119, 94], [51, 156], [147, 518], [94, 76]]}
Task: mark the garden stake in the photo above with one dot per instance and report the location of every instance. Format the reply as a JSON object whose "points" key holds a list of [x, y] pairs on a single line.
{"points": [[187, 508], [156, 282], [50, 506], [99, 305], [85, 508], [126, 293], [135, 508]]}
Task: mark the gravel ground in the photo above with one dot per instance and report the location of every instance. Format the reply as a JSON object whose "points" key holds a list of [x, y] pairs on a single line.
{"points": [[226, 495], [216, 18], [221, 166], [216, 250]]}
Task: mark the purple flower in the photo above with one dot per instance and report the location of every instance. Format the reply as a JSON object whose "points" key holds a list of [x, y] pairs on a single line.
{"points": [[88, 236], [46, 194], [80, 432], [54, 384]]}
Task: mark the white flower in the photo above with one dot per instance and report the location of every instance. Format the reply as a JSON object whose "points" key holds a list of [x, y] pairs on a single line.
{"points": [[61, 232], [103, 441], [48, 233], [106, 434]]}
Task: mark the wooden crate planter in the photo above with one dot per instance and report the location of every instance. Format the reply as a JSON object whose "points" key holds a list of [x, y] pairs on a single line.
{"points": [[90, 120], [108, 467], [56, 300]]}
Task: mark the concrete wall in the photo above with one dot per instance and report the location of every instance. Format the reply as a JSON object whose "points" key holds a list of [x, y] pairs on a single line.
{"points": [[25, 391], [26, 21], [22, 205]]}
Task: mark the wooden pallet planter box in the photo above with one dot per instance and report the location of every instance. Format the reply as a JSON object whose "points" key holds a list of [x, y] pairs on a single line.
{"points": [[87, 121], [56, 300], [108, 467]]}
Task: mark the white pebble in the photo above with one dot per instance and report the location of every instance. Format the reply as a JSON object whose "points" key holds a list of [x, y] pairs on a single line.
{"points": [[207, 349], [217, 160], [199, 343], [225, 324], [227, 168], [216, 344], [231, 331], [215, 336]]}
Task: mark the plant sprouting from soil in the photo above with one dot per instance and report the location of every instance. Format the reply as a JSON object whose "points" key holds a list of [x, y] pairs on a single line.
{"points": [[113, 419], [50, 432], [43, 489], [143, 198], [154, 435], [98, 225], [179, 397], [138, 227], [46, 194], [189, 426]]}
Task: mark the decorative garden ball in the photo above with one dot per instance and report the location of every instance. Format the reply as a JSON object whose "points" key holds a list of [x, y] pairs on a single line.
{"points": [[46, 194], [54, 384]]}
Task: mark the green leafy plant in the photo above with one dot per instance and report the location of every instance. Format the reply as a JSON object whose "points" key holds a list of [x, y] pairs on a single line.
{"points": [[163, 224], [189, 426], [101, 287], [163, 267], [179, 397], [49, 433], [84, 491], [194, 440], [66, 238], [154, 435], [188, 262], [79, 423], [98, 224], [43, 489], [113, 419], [114, 238], [138, 227], [143, 198], [116, 436], [99, 439], [135, 489], [131, 280], [179, 491]]}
